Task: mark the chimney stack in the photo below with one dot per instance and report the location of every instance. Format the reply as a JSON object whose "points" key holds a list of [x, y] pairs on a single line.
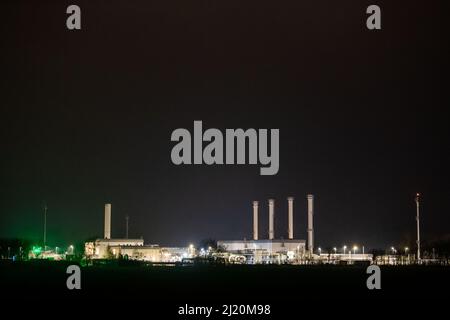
{"points": [[271, 219], [255, 220], [108, 221], [291, 218], [310, 198]]}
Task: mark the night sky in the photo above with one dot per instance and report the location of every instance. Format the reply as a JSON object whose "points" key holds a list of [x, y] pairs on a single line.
{"points": [[86, 118]]}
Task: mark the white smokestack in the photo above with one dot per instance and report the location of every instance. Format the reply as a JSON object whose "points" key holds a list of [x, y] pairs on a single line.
{"points": [[255, 220], [108, 221], [310, 198], [291, 217], [271, 217]]}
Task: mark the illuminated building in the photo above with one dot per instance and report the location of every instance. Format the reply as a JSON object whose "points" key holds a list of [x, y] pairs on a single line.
{"points": [[132, 249]]}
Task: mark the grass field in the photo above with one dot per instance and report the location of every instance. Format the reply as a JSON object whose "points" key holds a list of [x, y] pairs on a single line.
{"points": [[47, 280]]}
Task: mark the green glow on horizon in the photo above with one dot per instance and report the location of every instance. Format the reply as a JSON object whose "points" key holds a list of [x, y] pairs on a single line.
{"points": [[37, 250]]}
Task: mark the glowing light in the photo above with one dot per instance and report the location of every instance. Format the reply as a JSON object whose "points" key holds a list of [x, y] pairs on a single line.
{"points": [[36, 250]]}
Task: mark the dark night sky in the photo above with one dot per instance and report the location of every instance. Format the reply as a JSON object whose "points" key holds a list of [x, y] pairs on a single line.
{"points": [[86, 117]]}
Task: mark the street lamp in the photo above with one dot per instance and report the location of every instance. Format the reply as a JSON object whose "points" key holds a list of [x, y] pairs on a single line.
{"points": [[335, 250], [320, 251], [345, 248], [406, 250], [418, 224], [393, 250], [354, 249]]}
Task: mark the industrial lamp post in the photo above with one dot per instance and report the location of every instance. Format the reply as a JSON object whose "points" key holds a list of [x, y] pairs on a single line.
{"points": [[418, 224]]}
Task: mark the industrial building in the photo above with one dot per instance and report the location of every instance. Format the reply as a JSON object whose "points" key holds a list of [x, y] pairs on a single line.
{"points": [[132, 249], [255, 251], [291, 250], [274, 250]]}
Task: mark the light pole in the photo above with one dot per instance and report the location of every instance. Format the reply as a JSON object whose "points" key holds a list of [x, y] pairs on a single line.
{"points": [[418, 224], [45, 226], [345, 248]]}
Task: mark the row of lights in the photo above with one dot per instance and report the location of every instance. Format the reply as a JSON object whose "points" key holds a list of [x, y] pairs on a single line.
{"points": [[394, 251], [39, 249], [355, 248]]}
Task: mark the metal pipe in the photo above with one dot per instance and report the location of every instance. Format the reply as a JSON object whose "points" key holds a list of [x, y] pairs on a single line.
{"points": [[271, 219], [255, 220], [310, 198], [107, 234], [290, 217]]}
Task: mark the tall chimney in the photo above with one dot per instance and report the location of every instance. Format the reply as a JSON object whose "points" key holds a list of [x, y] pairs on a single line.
{"points": [[108, 221], [271, 217], [310, 198], [255, 220], [291, 217]]}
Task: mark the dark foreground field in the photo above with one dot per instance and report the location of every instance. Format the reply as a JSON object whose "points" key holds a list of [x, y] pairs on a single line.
{"points": [[220, 284]]}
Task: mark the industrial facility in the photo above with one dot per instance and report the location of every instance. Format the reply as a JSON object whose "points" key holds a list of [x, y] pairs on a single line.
{"points": [[273, 250], [280, 251], [132, 249], [255, 251]]}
